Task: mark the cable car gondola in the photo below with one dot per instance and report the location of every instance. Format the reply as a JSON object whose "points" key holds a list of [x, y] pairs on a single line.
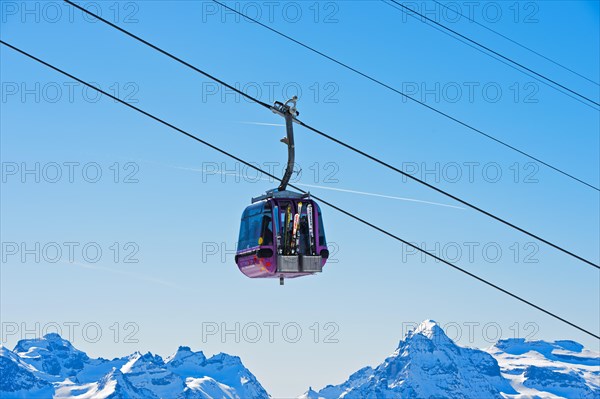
{"points": [[281, 232]]}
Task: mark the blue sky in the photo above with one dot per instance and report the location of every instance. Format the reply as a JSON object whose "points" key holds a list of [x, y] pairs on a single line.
{"points": [[179, 222]]}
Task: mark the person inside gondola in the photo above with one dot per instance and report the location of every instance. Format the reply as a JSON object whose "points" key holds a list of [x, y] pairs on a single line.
{"points": [[267, 232], [304, 246]]}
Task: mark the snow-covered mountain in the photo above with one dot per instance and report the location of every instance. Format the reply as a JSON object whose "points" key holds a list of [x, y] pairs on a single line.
{"points": [[549, 369], [51, 367], [428, 364]]}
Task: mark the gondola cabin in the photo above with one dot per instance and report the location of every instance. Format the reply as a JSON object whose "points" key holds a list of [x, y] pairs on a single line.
{"points": [[281, 235]]}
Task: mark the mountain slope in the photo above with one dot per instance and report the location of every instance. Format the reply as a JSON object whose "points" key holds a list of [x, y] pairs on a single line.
{"points": [[20, 380], [549, 369], [428, 364], [222, 368], [52, 367], [52, 355]]}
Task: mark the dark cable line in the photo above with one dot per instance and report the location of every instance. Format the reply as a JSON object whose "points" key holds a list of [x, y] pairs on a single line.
{"points": [[401, 93], [517, 43], [439, 190], [494, 52], [347, 213], [187, 64], [350, 147], [547, 84]]}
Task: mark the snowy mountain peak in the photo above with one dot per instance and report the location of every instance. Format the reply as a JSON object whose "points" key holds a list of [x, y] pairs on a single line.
{"points": [[52, 355], [183, 353], [52, 367], [224, 358], [310, 394], [430, 330], [55, 337], [51, 341], [428, 364], [223, 368], [427, 326]]}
